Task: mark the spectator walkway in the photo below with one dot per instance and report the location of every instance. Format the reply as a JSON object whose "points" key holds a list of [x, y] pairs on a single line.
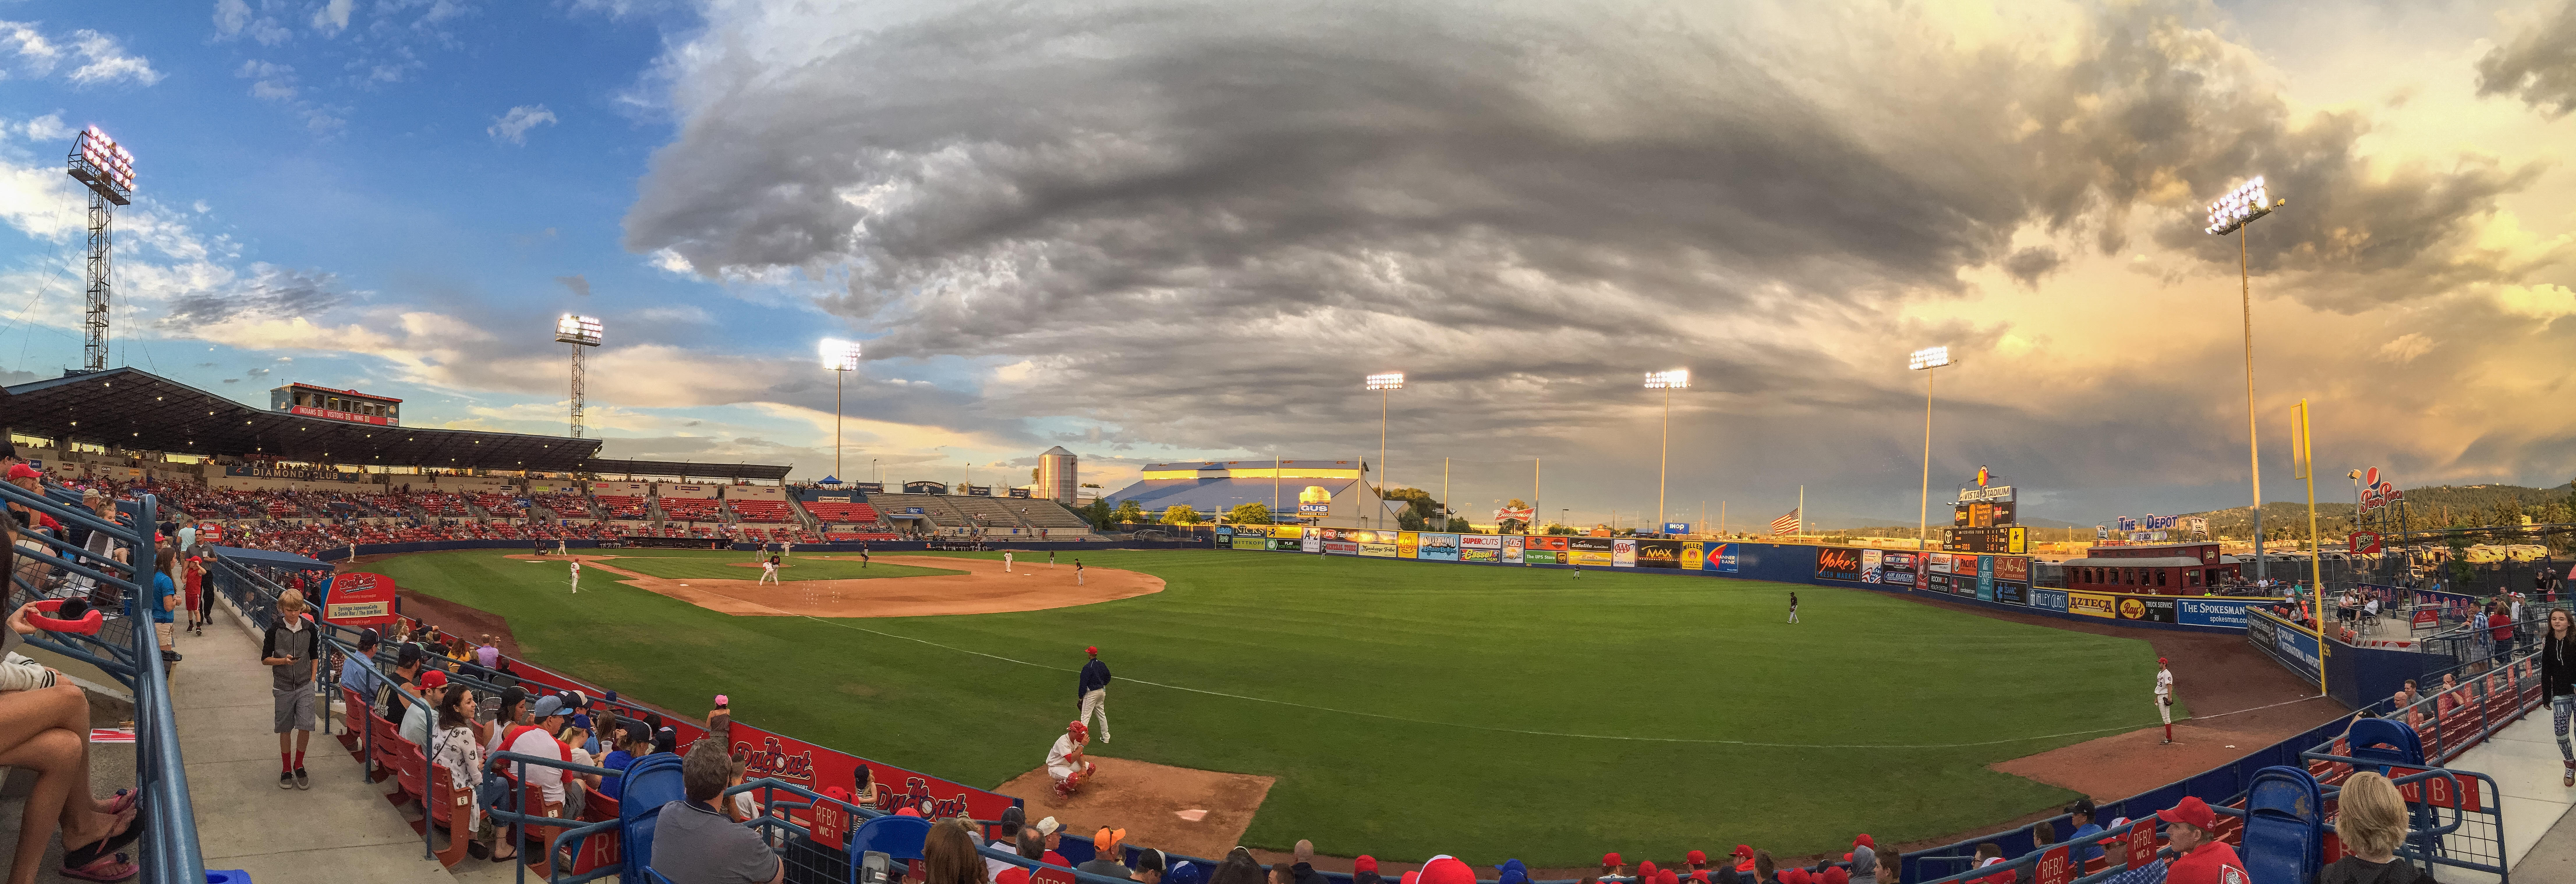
{"points": [[341, 830], [2523, 759]]}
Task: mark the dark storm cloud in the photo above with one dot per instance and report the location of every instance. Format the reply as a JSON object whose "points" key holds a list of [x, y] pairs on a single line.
{"points": [[271, 292], [576, 284], [1202, 224], [2537, 65]]}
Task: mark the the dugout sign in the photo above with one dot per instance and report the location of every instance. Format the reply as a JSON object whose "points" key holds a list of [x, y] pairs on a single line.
{"points": [[358, 599]]}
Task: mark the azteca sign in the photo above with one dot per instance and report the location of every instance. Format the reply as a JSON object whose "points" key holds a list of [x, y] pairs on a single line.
{"points": [[2377, 492]]}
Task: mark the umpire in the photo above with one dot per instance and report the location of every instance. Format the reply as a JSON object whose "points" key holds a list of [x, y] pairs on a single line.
{"points": [[1092, 694]]}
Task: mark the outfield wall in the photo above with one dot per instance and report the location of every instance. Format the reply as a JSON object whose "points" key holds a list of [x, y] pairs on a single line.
{"points": [[2001, 582]]}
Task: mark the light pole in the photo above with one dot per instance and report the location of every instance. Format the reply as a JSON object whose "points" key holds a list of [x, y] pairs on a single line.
{"points": [[2228, 215], [1667, 381], [841, 358], [2303, 466], [2355, 476], [1383, 384], [1925, 360]]}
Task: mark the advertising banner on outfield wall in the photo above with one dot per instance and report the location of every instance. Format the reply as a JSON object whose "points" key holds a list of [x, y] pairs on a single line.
{"points": [[2283, 641], [1986, 578], [1870, 559], [1837, 563], [1593, 551], [1288, 544], [1408, 544], [1251, 541], [2047, 598], [1378, 550], [1694, 555], [1313, 542], [1722, 558], [1659, 553], [2011, 593], [1623, 552], [2013, 568], [2092, 604], [2151, 609], [1937, 563], [1444, 547], [2211, 612], [1511, 550], [1936, 583], [1896, 568]]}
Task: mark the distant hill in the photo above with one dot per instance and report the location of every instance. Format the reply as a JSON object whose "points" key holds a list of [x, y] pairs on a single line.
{"points": [[2426, 507]]}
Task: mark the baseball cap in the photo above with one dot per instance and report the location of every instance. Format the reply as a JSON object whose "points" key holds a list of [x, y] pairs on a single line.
{"points": [[549, 704], [1512, 872], [1793, 876], [1107, 839], [612, 696], [1409, 878], [1365, 863], [1093, 650], [1014, 816], [1836, 875], [1667, 877], [581, 720], [1744, 850], [1149, 860], [906, 811], [23, 471], [1078, 729], [367, 638], [2082, 805], [1446, 869], [2191, 812], [408, 655], [435, 678], [1645, 870], [1611, 859], [1182, 873], [1864, 841], [1048, 826], [2160, 661], [1695, 857]]}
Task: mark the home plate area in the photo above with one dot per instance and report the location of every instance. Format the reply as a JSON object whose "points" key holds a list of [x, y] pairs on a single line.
{"points": [[1178, 809]]}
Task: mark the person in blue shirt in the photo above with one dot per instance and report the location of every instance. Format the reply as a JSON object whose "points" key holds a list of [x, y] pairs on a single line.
{"points": [[355, 673], [2084, 849], [165, 599], [633, 742], [1091, 693]]}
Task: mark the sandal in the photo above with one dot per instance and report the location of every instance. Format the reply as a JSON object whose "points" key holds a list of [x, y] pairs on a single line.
{"points": [[99, 861], [124, 800]]}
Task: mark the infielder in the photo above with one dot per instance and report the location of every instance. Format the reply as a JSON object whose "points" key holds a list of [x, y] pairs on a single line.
{"points": [[2164, 698], [1091, 694], [769, 570], [1077, 572], [1064, 760], [576, 576], [1006, 562]]}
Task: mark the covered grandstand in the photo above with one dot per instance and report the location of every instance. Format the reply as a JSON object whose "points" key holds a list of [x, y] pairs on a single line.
{"points": [[1323, 492]]}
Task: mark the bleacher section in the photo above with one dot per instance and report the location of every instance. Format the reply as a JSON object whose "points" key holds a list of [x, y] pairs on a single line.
{"points": [[841, 513], [565, 506], [767, 511], [502, 505], [1045, 514], [441, 505], [931, 505], [985, 512], [620, 507], [692, 510]]}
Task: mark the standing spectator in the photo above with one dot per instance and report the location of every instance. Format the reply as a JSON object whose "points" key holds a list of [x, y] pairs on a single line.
{"points": [[1864, 859], [1106, 852], [2371, 825], [489, 654], [201, 598], [187, 535], [2500, 627], [2558, 682], [2085, 850], [165, 601], [694, 842], [1091, 693], [2481, 639], [291, 650]]}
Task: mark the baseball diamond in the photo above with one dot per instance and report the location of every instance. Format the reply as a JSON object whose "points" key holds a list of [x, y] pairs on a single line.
{"points": [[1397, 708]]}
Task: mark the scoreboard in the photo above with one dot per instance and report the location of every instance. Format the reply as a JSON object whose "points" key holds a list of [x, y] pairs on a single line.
{"points": [[2001, 540]]}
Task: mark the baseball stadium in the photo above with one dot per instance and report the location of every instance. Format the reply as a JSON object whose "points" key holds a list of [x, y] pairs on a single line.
{"points": [[551, 553]]}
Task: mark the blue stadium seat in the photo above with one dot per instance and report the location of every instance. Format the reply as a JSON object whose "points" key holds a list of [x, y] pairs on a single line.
{"points": [[652, 781], [2386, 741], [2284, 827], [898, 837]]}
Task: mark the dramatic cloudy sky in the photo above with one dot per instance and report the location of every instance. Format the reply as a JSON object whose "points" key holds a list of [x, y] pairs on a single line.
{"points": [[1158, 230]]}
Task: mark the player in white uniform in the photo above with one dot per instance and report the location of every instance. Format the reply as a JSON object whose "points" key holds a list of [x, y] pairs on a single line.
{"points": [[1065, 763], [769, 571], [1006, 561], [2164, 698], [576, 575]]}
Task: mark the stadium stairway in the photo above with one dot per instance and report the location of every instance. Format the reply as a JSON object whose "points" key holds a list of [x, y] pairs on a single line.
{"points": [[341, 830], [2540, 835]]}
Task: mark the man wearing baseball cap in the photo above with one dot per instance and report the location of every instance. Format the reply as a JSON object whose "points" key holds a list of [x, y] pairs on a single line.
{"points": [[1610, 864], [2164, 698], [2198, 857], [1064, 760], [1106, 853], [1697, 860], [1091, 694], [2081, 815]]}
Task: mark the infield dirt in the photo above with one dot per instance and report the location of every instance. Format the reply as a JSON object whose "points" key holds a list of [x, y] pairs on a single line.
{"points": [[984, 589]]}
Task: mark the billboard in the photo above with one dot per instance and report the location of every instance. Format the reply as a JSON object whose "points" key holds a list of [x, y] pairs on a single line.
{"points": [[1511, 550], [2013, 568], [2047, 598], [1408, 544], [925, 486], [1313, 543], [1870, 561], [1623, 552], [2285, 642], [1522, 515], [1897, 568], [1377, 550], [2152, 609], [1986, 577], [1251, 541], [2012, 593], [1936, 563], [1837, 563], [2092, 604], [866, 487], [2211, 612], [1677, 527], [1314, 501], [1546, 550], [1694, 555], [1659, 553], [1443, 547], [1289, 544], [1721, 558], [1594, 551]]}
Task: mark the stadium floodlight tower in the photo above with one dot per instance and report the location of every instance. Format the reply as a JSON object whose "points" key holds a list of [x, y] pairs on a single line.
{"points": [[107, 168], [840, 358], [581, 332], [1383, 384], [1925, 360], [1667, 381], [2231, 214]]}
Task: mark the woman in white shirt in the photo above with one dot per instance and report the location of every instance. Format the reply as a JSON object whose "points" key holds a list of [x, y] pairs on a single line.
{"points": [[456, 748]]}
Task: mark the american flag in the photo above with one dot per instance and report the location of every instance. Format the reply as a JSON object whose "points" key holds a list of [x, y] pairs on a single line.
{"points": [[1787, 524]]}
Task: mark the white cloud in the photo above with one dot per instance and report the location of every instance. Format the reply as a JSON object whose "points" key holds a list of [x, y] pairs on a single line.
{"points": [[233, 18], [332, 18], [513, 126], [35, 54], [2406, 348], [108, 62], [49, 127]]}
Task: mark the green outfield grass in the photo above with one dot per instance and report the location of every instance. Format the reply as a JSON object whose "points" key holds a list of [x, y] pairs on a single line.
{"points": [[687, 565], [1408, 708]]}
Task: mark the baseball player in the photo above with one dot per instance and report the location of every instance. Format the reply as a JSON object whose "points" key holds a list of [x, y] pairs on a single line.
{"points": [[1077, 572], [1050, 558], [1064, 762], [787, 548], [769, 570], [559, 547], [1091, 693], [2164, 698], [576, 576], [1793, 607], [1006, 561]]}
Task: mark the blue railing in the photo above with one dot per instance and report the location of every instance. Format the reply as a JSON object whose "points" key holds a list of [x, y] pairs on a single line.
{"points": [[169, 852]]}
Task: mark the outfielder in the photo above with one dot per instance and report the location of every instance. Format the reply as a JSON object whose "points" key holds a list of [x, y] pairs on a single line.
{"points": [[769, 570], [2164, 698], [1092, 693], [1065, 763], [576, 576], [1793, 607]]}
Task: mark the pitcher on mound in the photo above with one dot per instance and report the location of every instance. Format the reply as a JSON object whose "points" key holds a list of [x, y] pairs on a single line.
{"points": [[1065, 762]]}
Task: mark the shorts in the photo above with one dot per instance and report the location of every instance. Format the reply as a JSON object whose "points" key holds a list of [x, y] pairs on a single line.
{"points": [[294, 708], [164, 630]]}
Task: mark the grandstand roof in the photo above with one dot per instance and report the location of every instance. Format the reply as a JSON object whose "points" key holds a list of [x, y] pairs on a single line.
{"points": [[1220, 495], [134, 409]]}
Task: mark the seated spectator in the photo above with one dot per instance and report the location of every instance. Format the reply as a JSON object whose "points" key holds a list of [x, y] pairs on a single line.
{"points": [[461, 753], [578, 786], [1889, 862], [1763, 871], [1510, 872], [2372, 824], [397, 689], [1864, 859], [1006, 831], [1106, 853], [416, 717], [1304, 854], [1150, 865], [633, 742], [357, 671], [694, 842], [1364, 870], [1238, 868], [1991, 853], [2454, 695], [2084, 851], [1611, 864], [949, 855], [45, 729], [2044, 835]]}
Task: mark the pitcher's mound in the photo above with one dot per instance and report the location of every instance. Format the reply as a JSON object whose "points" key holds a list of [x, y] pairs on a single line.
{"points": [[1154, 803]]}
